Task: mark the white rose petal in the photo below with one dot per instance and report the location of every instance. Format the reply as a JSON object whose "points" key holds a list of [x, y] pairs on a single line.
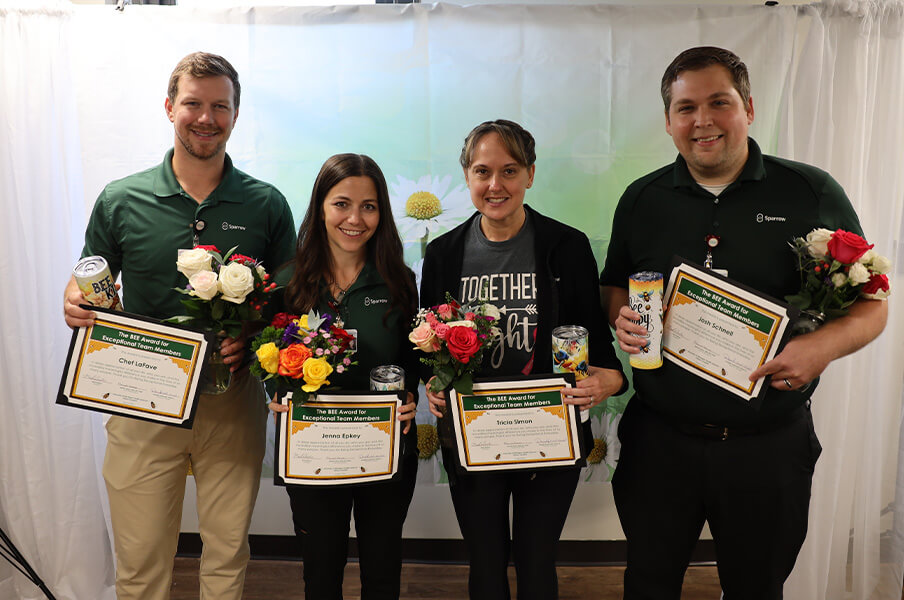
{"points": [[192, 261], [817, 242], [236, 282], [858, 274], [261, 271], [879, 295], [839, 279], [465, 323], [867, 257], [490, 310], [881, 265], [204, 285]]}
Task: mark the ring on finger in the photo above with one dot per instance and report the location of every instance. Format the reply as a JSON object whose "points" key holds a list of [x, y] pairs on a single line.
{"points": [[788, 383]]}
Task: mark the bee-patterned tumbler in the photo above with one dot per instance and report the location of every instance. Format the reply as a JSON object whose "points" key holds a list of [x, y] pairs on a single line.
{"points": [[645, 298], [570, 351]]}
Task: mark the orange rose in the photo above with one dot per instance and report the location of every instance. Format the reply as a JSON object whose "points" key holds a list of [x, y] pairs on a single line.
{"points": [[291, 360]]}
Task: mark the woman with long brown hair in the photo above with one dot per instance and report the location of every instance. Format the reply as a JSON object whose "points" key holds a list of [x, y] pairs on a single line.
{"points": [[349, 265]]}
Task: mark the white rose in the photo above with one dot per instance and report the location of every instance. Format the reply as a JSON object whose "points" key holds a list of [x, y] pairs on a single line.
{"points": [[204, 284], [867, 257], [236, 282], [839, 279], [858, 274], [490, 310], [261, 271], [881, 265], [193, 261], [464, 323], [817, 241]]}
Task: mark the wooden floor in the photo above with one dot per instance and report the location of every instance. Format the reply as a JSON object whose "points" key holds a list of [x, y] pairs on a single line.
{"points": [[266, 580]]}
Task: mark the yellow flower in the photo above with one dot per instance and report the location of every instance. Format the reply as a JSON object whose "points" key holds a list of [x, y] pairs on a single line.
{"points": [[268, 355], [423, 205], [315, 373], [598, 454], [302, 323]]}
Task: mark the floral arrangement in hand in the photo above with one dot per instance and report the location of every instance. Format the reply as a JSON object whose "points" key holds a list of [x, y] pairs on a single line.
{"points": [[836, 268], [300, 353], [455, 337], [223, 291]]}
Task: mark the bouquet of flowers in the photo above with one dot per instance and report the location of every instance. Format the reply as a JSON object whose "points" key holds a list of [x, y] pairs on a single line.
{"points": [[222, 291], [455, 337], [300, 353], [836, 268]]}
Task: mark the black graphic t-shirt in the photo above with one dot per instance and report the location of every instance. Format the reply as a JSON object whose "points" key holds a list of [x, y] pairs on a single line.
{"points": [[504, 274]]}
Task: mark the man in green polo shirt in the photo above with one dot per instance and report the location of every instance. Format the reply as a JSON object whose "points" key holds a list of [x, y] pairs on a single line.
{"points": [[194, 197], [691, 452]]}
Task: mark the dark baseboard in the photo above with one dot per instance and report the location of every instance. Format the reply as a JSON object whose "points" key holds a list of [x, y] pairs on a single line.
{"points": [[417, 550]]}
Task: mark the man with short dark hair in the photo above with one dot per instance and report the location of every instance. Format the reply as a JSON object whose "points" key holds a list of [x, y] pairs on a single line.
{"points": [[691, 452], [195, 196]]}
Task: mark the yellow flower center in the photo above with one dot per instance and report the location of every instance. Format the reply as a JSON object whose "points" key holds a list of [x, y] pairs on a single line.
{"points": [[423, 206]]}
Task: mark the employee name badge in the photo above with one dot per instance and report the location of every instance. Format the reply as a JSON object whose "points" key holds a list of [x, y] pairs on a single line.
{"points": [[353, 345]]}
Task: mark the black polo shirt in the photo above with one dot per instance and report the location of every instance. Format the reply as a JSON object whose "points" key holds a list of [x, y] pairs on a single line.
{"points": [[666, 213]]}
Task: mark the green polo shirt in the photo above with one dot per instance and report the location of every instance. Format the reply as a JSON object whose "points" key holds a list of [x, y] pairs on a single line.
{"points": [[140, 222], [666, 213]]}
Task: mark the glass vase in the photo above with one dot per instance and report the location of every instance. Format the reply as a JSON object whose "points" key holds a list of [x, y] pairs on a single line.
{"points": [[216, 376], [807, 322]]}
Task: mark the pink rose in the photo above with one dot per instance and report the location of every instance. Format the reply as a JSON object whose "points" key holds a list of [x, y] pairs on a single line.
{"points": [[847, 247], [462, 342], [441, 330], [470, 316], [876, 288], [423, 338], [444, 311]]}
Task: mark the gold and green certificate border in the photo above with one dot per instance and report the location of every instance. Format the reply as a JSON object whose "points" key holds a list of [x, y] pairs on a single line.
{"points": [[521, 423], [112, 365], [734, 329], [304, 457]]}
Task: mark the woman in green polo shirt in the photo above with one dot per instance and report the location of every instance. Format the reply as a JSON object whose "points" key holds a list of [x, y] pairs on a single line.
{"points": [[349, 264]]}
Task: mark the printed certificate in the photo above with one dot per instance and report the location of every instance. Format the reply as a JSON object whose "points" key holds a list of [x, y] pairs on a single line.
{"points": [[719, 330], [516, 424], [339, 439], [134, 366]]}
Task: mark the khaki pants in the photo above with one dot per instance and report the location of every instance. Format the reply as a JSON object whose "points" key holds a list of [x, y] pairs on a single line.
{"points": [[145, 469]]}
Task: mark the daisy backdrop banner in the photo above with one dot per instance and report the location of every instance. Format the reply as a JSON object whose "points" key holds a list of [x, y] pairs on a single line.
{"points": [[405, 88]]}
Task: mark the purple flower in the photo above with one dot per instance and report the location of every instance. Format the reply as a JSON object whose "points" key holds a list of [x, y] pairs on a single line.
{"points": [[289, 333]]}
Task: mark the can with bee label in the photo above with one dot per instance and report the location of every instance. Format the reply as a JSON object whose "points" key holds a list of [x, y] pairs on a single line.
{"points": [[94, 278], [645, 298]]}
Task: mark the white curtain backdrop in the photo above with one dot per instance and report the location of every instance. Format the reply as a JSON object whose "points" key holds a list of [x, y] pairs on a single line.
{"points": [[844, 115], [50, 496], [81, 95]]}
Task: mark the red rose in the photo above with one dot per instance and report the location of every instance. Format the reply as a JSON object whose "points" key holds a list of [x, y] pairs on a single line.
{"points": [[241, 258], [342, 338], [462, 342], [847, 247], [282, 319], [877, 284], [209, 248]]}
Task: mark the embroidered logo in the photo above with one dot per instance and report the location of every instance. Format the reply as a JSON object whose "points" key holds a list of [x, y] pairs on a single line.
{"points": [[368, 300], [761, 218], [228, 226]]}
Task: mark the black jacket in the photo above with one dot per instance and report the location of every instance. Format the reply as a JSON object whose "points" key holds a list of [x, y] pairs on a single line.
{"points": [[567, 289]]}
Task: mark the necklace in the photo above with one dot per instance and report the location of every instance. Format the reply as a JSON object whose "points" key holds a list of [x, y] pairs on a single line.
{"points": [[342, 291]]}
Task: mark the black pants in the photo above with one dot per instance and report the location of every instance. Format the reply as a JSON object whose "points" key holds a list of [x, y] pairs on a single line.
{"points": [[540, 501], [321, 517], [754, 490]]}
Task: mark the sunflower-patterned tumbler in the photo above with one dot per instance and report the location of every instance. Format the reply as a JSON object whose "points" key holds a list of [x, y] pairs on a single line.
{"points": [[645, 298]]}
